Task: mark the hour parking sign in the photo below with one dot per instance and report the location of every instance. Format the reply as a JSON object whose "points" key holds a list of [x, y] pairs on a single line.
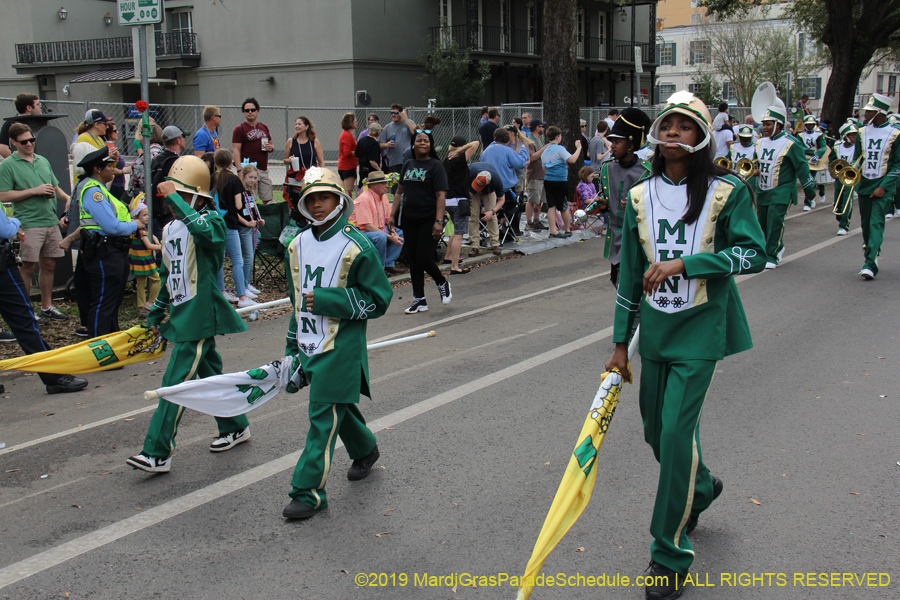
{"points": [[140, 12]]}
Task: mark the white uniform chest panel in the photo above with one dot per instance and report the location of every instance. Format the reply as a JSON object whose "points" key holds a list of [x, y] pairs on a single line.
{"points": [[810, 139], [672, 238], [769, 154], [178, 256], [876, 143], [845, 152], [319, 265], [738, 151]]}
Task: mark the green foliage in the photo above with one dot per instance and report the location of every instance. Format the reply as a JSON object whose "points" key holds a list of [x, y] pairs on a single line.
{"points": [[709, 88], [458, 80]]}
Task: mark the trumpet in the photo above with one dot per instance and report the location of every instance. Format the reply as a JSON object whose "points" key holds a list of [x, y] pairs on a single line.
{"points": [[848, 176], [723, 162], [745, 167]]}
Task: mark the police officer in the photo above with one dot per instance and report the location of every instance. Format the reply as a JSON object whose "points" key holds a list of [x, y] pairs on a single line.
{"points": [[15, 308], [105, 229]]}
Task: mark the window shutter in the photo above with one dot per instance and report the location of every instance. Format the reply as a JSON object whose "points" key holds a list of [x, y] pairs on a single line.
{"points": [[674, 59], [818, 88]]}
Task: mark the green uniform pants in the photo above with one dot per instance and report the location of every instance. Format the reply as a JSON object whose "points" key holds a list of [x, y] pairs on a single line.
{"points": [[843, 194], [871, 217], [771, 219], [326, 423], [671, 398], [189, 360]]}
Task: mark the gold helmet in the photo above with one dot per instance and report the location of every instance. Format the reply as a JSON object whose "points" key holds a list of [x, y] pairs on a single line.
{"points": [[324, 180], [686, 103], [190, 175]]}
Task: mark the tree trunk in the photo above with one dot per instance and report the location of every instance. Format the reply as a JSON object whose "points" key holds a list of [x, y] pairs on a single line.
{"points": [[559, 68]]}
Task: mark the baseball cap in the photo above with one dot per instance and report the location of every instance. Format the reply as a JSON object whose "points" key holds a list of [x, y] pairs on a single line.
{"points": [[535, 123], [171, 132], [481, 181], [458, 141], [95, 116]]}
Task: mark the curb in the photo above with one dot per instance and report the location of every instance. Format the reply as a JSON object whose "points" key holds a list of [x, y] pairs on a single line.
{"points": [[480, 259]]}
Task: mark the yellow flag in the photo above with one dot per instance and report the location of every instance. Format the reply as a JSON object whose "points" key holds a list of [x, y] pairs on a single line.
{"points": [[99, 354], [578, 481]]}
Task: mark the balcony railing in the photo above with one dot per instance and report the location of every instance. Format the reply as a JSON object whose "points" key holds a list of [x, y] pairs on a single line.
{"points": [[102, 49], [498, 40]]}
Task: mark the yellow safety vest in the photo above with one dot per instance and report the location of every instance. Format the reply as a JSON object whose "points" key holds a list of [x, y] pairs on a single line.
{"points": [[84, 216]]}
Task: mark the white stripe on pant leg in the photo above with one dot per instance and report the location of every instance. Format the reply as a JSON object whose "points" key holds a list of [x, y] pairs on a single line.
{"points": [[334, 424]]}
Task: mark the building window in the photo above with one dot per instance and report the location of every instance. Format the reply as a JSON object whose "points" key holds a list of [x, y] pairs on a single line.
{"points": [[892, 84], [181, 22], [695, 3], [879, 84], [664, 90], [446, 14], [693, 88], [666, 53], [811, 86], [801, 44], [700, 51], [696, 19], [728, 91]]}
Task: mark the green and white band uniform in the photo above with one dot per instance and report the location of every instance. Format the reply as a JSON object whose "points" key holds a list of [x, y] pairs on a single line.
{"points": [[815, 147], [781, 162], [841, 192], [343, 269], [193, 252], [880, 169], [690, 323]]}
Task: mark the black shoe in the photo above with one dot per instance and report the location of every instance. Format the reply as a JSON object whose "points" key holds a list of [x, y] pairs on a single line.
{"points": [[361, 466], [717, 491], [2, 389], [66, 384], [82, 332], [7, 336], [662, 583], [299, 510]]}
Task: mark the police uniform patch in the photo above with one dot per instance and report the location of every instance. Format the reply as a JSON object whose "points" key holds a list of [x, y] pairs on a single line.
{"points": [[98, 197]]}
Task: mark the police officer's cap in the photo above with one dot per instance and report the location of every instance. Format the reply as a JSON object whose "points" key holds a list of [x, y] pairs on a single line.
{"points": [[95, 158]]}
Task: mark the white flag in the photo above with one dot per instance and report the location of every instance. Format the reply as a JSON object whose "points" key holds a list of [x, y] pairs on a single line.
{"points": [[234, 394]]}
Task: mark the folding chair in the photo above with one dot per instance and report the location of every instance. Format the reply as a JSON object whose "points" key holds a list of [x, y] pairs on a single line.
{"points": [[509, 212], [269, 258]]}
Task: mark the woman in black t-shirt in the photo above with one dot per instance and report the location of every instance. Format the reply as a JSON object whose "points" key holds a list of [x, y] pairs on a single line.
{"points": [[423, 191], [229, 188]]}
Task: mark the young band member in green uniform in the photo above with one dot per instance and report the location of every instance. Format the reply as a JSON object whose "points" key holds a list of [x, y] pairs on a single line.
{"points": [[813, 140], [880, 169], [843, 195], [337, 283], [781, 161], [193, 250], [688, 231], [628, 135]]}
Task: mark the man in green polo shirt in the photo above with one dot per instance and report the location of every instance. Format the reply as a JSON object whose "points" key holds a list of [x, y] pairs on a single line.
{"points": [[27, 180]]}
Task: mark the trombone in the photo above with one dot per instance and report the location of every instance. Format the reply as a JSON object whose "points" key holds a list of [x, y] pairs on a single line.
{"points": [[848, 175], [745, 167], [723, 162]]}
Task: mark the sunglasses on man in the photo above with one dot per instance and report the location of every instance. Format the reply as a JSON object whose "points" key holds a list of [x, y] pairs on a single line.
{"points": [[26, 141], [248, 110]]}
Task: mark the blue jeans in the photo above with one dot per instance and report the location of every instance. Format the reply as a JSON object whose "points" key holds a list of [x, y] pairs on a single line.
{"points": [[246, 235], [233, 250], [386, 250]]}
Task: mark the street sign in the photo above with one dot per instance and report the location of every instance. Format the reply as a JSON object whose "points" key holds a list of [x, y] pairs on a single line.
{"points": [[140, 12], [638, 63]]}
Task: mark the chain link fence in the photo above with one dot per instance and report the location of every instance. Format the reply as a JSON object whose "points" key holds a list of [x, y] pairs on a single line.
{"points": [[280, 121]]}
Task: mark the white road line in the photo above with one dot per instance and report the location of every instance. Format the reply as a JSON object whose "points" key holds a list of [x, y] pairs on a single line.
{"points": [[92, 541]]}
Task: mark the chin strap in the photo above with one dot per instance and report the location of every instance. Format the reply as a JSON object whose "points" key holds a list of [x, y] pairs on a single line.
{"points": [[690, 149], [333, 214]]}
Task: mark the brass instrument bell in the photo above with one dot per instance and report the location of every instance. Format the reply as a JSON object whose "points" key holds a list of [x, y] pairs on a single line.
{"points": [[745, 167], [723, 162]]}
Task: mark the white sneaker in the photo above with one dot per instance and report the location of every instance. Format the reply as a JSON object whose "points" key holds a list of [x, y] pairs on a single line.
{"points": [[230, 440], [253, 289], [889, 216], [867, 274], [246, 303], [250, 294], [444, 291], [230, 297], [807, 207], [842, 231], [770, 265], [150, 464]]}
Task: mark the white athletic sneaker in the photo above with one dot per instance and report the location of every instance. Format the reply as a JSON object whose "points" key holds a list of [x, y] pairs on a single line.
{"points": [[246, 303], [250, 294], [253, 289], [444, 291], [150, 464], [770, 265], [867, 274], [230, 297], [230, 440], [842, 231], [889, 216], [807, 207], [781, 253]]}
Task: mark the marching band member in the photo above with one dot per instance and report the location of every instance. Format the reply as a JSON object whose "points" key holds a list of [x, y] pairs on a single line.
{"points": [[745, 148], [781, 161], [689, 230], [847, 150], [814, 143], [880, 168]]}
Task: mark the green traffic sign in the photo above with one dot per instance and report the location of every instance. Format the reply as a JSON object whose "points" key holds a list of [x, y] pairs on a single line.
{"points": [[140, 12]]}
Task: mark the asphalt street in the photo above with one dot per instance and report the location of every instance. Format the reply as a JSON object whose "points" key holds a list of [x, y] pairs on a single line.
{"points": [[475, 428]]}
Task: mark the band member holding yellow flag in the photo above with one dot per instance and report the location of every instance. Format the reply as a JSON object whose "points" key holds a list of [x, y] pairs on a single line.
{"points": [[193, 250], [781, 162], [878, 146], [843, 195], [688, 231]]}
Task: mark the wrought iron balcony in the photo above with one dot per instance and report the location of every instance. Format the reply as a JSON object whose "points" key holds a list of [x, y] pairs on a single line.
{"points": [[103, 49]]}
